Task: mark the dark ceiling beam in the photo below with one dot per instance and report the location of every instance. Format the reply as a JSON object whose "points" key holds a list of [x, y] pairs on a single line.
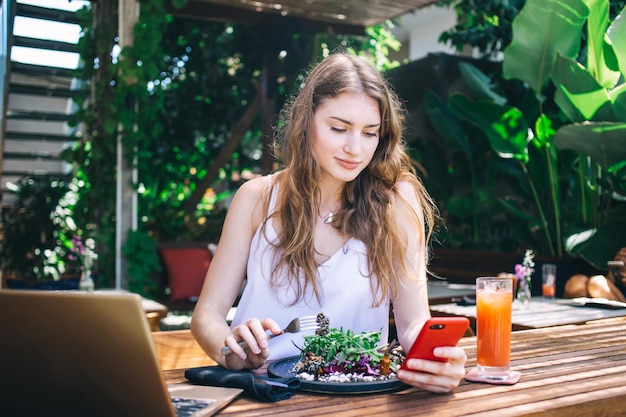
{"points": [[220, 13]]}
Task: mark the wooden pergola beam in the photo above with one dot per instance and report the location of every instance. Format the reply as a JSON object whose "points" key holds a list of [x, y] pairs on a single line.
{"points": [[220, 13]]}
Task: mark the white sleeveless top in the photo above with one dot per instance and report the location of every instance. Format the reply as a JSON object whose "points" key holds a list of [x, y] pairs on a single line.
{"points": [[347, 298]]}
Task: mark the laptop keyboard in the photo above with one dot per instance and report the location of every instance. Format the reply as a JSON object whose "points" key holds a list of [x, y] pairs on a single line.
{"points": [[185, 407]]}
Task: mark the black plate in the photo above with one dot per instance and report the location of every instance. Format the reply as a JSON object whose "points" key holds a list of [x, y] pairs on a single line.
{"points": [[282, 368]]}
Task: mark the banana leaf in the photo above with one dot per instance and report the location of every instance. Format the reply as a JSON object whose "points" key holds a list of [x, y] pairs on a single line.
{"points": [[579, 95], [599, 245], [604, 142], [600, 56], [618, 96], [480, 84], [444, 122], [542, 30], [616, 34], [617, 180], [504, 126]]}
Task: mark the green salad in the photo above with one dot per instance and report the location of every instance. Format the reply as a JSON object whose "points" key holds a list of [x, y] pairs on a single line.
{"points": [[335, 350]]}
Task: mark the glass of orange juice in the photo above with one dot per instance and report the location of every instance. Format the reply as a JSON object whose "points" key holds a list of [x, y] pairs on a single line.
{"points": [[549, 281], [494, 298]]}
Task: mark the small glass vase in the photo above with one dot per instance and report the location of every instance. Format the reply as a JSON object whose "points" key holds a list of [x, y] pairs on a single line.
{"points": [[86, 282], [522, 297]]}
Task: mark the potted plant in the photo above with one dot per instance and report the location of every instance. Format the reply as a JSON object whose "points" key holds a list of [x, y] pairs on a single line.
{"points": [[35, 250], [558, 121]]}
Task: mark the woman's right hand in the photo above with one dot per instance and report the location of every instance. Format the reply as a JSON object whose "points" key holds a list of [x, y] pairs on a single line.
{"points": [[254, 333]]}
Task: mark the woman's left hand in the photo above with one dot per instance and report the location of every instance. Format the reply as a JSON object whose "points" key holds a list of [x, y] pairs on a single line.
{"points": [[436, 376]]}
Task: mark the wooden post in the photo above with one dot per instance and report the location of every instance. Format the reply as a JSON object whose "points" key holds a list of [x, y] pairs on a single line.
{"points": [[126, 195]]}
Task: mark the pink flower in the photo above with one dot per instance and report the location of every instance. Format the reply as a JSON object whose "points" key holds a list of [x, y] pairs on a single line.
{"points": [[83, 252], [524, 271], [523, 274]]}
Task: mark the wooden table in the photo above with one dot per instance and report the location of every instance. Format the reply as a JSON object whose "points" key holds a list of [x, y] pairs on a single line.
{"points": [[541, 313], [575, 370], [154, 310]]}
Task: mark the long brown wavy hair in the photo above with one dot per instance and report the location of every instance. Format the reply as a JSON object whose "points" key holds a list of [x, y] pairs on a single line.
{"points": [[367, 212]]}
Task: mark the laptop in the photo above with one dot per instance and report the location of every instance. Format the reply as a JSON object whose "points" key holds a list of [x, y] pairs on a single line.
{"points": [[71, 353]]}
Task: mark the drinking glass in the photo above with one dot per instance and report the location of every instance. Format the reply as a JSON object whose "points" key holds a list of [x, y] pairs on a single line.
{"points": [[548, 287], [494, 299]]}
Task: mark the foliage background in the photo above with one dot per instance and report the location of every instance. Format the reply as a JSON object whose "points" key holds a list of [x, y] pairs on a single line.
{"points": [[569, 196], [178, 97]]}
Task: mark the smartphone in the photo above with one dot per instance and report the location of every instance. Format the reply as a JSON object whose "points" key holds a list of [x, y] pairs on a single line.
{"points": [[437, 331]]}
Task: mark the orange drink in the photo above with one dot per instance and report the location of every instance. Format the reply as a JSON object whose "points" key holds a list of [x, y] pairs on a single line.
{"points": [[549, 281], [494, 298], [548, 290]]}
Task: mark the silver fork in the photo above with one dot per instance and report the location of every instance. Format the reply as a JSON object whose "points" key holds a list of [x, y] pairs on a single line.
{"points": [[297, 325]]}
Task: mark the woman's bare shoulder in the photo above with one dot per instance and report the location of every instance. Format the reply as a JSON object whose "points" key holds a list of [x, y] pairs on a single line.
{"points": [[255, 187], [406, 189], [408, 204], [251, 198]]}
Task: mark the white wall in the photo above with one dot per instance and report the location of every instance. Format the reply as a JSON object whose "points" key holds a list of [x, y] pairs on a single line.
{"points": [[419, 32]]}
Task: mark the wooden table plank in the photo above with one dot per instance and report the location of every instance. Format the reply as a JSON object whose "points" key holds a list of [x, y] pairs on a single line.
{"points": [[178, 349], [567, 371]]}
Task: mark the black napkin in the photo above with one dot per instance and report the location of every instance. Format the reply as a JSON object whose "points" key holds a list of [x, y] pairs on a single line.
{"points": [[255, 386]]}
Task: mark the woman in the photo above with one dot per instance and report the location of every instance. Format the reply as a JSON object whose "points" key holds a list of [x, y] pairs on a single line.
{"points": [[342, 230]]}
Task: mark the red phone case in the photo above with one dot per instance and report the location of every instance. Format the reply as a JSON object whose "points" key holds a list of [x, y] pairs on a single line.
{"points": [[437, 331]]}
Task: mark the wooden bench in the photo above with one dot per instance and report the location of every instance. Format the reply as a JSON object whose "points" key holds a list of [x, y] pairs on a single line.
{"points": [[464, 266]]}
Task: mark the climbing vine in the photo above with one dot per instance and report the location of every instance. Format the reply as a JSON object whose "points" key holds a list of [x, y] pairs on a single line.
{"points": [[120, 105]]}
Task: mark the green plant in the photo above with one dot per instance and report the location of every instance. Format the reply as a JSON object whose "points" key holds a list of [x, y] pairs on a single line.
{"points": [[141, 253], [458, 166], [471, 208], [565, 127], [32, 246], [486, 25], [482, 24]]}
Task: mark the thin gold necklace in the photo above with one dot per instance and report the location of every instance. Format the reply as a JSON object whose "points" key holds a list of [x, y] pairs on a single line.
{"points": [[328, 219]]}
